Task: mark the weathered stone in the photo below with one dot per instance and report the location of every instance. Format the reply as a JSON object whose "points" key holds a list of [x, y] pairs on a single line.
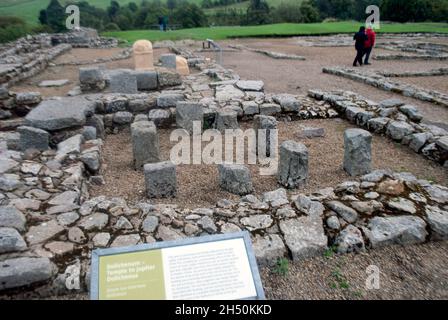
{"points": [[160, 117], [7, 164], [150, 224], [357, 152], [60, 248], [268, 249], [438, 222], [12, 218], [43, 232], [308, 207], [91, 160], [122, 81], [227, 93], [67, 197], [418, 140], [412, 112], [250, 85], [53, 83], [115, 104], [437, 193], [92, 79], [168, 60], [333, 223], [101, 239], [207, 224], [304, 237], [182, 66], [311, 132], [403, 230], [123, 117], [187, 113], [257, 222], [168, 78], [345, 212], [89, 133], [123, 224], [169, 100], [145, 143], [10, 182], [367, 207], [250, 108], [96, 221], [24, 204], [276, 198], [397, 130], [160, 179], [27, 98], [18, 272], [265, 128], [403, 205], [288, 102], [293, 165], [270, 109], [126, 241], [377, 124], [146, 80], [166, 234], [391, 187], [235, 179], [350, 240], [391, 103], [33, 138], [60, 114], [226, 119], [67, 218], [229, 228], [11, 241]]}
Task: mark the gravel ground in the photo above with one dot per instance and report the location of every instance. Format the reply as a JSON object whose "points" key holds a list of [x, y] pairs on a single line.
{"points": [[198, 184], [305, 75]]}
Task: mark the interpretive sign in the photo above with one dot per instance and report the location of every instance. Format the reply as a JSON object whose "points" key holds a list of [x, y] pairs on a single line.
{"points": [[209, 268]]}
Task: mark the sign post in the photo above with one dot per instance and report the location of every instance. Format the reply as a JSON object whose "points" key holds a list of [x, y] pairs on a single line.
{"points": [[218, 267]]}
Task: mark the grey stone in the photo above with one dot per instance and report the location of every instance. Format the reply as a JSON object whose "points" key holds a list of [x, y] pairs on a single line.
{"points": [[412, 112], [27, 98], [288, 102], [123, 117], [89, 133], [403, 230], [367, 207], [207, 224], [97, 122], [143, 117], [150, 224], [293, 165], [166, 234], [397, 130], [126, 241], [43, 232], [146, 80], [168, 78], [11, 241], [357, 152], [101, 239], [168, 100], [92, 79], [351, 113], [304, 236], [68, 146], [227, 93], [122, 81], [377, 124], [345, 212], [270, 109], [265, 129], [7, 164], [333, 223], [276, 198], [96, 221], [160, 117], [10, 182], [250, 85], [235, 179], [91, 160], [66, 197], [311, 132], [438, 222], [226, 120], [18, 272], [12, 218], [115, 104], [230, 228], [187, 113], [437, 193], [268, 249], [123, 224], [250, 108], [257, 222], [168, 60], [67, 218], [60, 114], [418, 140], [76, 235], [60, 248], [33, 138], [160, 179], [311, 208], [391, 103], [402, 204], [350, 240], [145, 143], [54, 83]]}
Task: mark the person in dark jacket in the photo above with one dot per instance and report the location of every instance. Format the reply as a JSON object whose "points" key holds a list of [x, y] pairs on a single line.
{"points": [[360, 38]]}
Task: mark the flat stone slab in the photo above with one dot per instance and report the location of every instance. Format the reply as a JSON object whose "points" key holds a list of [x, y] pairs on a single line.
{"points": [[60, 114], [20, 272], [54, 83]]}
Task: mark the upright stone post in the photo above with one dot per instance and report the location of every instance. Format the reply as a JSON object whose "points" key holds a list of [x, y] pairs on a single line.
{"points": [[357, 152], [160, 179], [182, 66], [269, 124], [145, 143], [187, 113], [143, 55], [293, 165]]}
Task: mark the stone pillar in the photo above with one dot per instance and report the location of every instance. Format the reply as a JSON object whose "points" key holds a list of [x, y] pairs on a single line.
{"points": [[145, 143], [33, 138], [143, 55], [269, 124], [182, 66], [160, 179], [226, 119], [293, 165], [357, 152], [235, 178], [168, 60], [187, 113]]}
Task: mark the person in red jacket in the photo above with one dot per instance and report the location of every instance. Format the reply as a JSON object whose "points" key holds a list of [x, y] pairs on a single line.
{"points": [[368, 45]]}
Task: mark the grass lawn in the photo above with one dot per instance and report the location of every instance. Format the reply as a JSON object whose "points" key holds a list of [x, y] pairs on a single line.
{"points": [[284, 29]]}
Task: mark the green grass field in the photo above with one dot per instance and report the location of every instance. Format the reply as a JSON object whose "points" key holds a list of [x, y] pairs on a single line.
{"points": [[284, 29]]}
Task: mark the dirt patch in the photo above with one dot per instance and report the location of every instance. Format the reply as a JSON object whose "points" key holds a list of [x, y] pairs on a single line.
{"points": [[198, 184]]}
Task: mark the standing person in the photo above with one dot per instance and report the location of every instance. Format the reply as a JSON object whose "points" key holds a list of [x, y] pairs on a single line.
{"points": [[371, 36], [360, 38], [165, 22], [161, 23]]}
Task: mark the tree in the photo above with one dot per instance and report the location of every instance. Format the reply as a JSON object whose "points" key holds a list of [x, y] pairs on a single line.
{"points": [[55, 16], [113, 9], [189, 15], [171, 4], [258, 12], [43, 17]]}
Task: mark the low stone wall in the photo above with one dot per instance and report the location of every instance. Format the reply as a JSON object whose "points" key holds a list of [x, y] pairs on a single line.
{"points": [[386, 84], [429, 73], [13, 105], [84, 38]]}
